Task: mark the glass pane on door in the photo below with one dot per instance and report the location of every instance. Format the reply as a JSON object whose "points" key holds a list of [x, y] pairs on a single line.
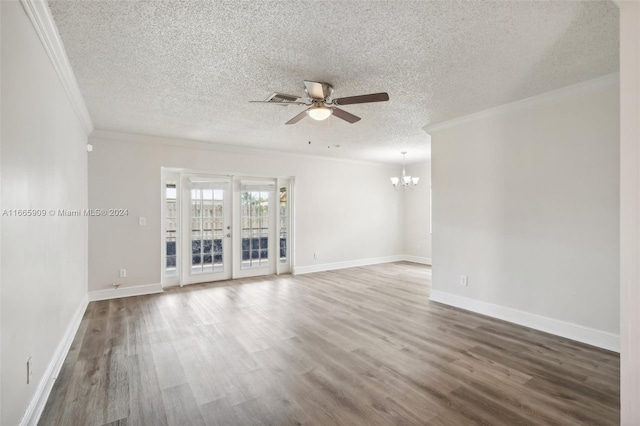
{"points": [[254, 219], [218, 230], [171, 229], [284, 225], [206, 211]]}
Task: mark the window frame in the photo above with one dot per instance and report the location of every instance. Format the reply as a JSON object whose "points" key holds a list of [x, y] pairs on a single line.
{"points": [[168, 174]]}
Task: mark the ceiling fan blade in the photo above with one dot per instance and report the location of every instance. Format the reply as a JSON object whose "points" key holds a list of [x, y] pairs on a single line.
{"points": [[298, 117], [373, 97], [346, 116], [317, 90], [280, 102], [282, 97]]}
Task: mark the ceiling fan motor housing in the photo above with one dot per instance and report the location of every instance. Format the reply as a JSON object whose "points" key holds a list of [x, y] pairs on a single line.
{"points": [[318, 90]]}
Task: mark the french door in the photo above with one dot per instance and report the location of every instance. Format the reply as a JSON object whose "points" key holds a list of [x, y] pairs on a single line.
{"points": [[255, 223], [206, 229], [223, 227]]}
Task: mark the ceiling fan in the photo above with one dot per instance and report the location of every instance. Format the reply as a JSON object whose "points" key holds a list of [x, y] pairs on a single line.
{"points": [[321, 105]]}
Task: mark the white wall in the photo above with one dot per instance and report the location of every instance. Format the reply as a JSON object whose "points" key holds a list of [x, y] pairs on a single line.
{"points": [[526, 204], [345, 210], [44, 166], [630, 212], [417, 215], [1, 206]]}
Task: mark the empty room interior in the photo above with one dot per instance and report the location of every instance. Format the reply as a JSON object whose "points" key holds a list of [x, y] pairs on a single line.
{"points": [[320, 212]]}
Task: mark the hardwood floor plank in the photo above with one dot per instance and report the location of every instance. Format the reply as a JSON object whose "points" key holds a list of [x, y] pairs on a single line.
{"points": [[87, 386], [475, 405], [55, 406], [359, 346], [536, 406], [587, 407], [118, 398], [146, 406], [119, 422], [284, 409], [219, 413], [168, 367], [181, 407], [200, 372]]}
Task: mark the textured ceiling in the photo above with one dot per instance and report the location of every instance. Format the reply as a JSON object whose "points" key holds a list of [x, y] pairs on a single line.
{"points": [[187, 69]]}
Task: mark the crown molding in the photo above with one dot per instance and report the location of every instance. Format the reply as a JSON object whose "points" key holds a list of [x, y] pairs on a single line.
{"points": [[585, 86], [42, 21]]}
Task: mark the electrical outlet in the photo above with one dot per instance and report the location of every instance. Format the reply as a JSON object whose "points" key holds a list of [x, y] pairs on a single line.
{"points": [[29, 370], [315, 255], [464, 280], [142, 221], [123, 273]]}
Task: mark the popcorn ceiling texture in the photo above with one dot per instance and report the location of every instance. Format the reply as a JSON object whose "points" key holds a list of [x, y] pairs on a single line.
{"points": [[187, 69]]}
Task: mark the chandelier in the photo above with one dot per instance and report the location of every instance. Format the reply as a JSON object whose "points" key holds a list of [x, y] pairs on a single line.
{"points": [[404, 181]]}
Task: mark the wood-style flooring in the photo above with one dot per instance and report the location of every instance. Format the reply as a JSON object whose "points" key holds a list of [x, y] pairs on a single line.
{"points": [[361, 346]]}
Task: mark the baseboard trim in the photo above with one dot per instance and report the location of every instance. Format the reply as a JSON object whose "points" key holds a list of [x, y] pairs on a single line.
{"points": [[116, 293], [299, 270], [39, 400], [565, 329], [417, 259]]}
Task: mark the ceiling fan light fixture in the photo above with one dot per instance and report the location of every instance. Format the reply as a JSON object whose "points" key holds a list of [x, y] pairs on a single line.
{"points": [[319, 112]]}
